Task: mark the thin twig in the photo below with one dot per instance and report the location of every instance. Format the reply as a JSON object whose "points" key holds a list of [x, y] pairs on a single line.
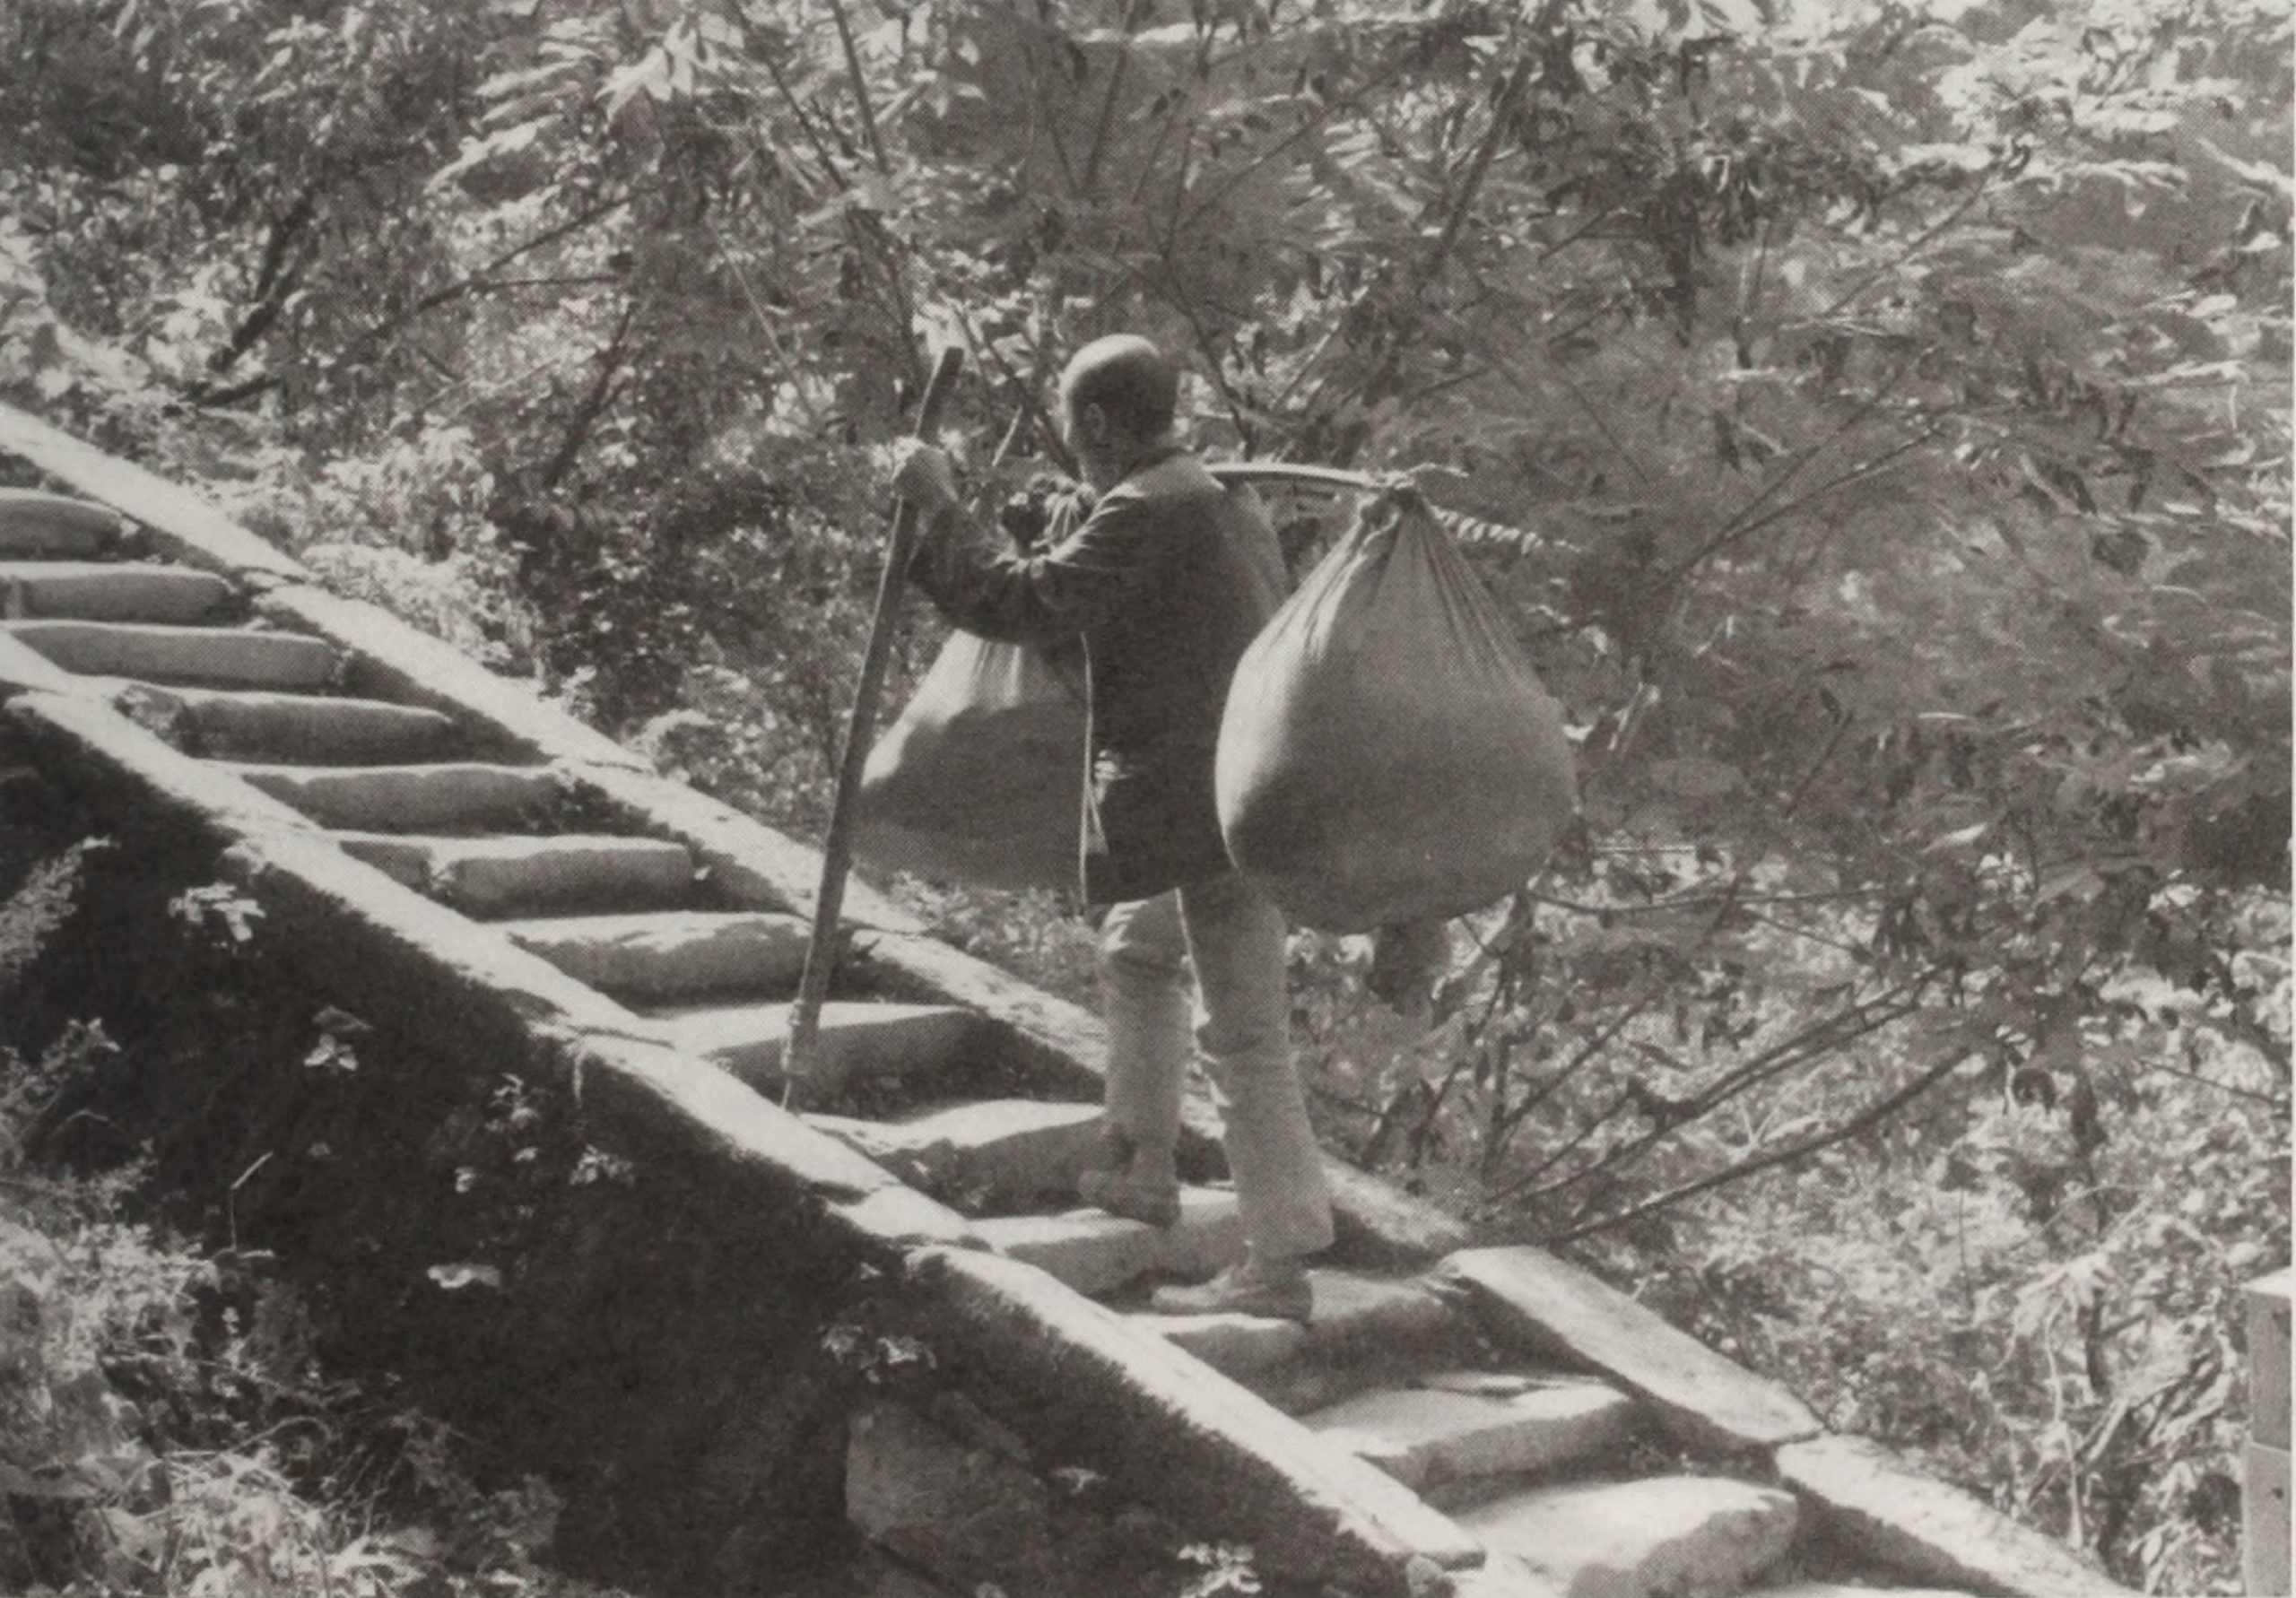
{"points": [[1873, 1115], [1772, 1062], [790, 97], [1478, 166], [1920, 241], [860, 85], [1100, 124], [477, 281]]}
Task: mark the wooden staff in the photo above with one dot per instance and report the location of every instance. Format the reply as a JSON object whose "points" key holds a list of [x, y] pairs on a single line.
{"points": [[860, 731]]}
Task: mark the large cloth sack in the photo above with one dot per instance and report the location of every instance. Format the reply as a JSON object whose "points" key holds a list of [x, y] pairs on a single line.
{"points": [[980, 779], [1387, 752]]}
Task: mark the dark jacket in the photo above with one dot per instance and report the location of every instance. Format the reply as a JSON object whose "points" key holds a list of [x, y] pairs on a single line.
{"points": [[1167, 580]]}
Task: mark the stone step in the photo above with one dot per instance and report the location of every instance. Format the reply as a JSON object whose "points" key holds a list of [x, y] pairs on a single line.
{"points": [[110, 591], [1657, 1538], [287, 728], [858, 1041], [1425, 1435], [1533, 1297], [1364, 1332], [1245, 1347], [982, 1155], [661, 956], [211, 656], [1095, 1252], [35, 522], [1353, 1315], [491, 877], [447, 796], [1870, 1505], [1834, 1589]]}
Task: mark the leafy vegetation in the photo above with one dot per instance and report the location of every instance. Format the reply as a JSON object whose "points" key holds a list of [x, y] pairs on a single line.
{"points": [[166, 1426], [1892, 399]]}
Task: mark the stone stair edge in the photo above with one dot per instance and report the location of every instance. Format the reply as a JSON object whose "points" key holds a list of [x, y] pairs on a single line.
{"points": [[185, 522], [106, 748], [25, 670], [686, 1106], [1871, 1501], [1164, 1424], [1547, 1304]]}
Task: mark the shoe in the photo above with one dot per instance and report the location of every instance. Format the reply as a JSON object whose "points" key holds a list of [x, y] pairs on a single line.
{"points": [[1134, 1198], [1240, 1290]]}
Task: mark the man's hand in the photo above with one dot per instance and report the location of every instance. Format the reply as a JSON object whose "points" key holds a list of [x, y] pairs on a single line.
{"points": [[923, 476]]}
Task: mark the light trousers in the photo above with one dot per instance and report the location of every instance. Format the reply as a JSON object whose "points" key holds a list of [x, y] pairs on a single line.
{"points": [[1237, 1024]]}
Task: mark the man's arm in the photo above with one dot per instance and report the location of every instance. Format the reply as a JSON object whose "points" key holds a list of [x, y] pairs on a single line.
{"points": [[983, 586]]}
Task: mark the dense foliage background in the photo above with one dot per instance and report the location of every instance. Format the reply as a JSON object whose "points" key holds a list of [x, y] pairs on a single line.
{"points": [[1893, 397]]}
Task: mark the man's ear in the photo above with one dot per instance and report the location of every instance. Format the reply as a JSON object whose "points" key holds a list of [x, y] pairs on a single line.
{"points": [[1092, 425]]}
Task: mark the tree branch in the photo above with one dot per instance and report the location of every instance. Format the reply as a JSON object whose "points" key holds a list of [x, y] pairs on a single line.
{"points": [[593, 404], [860, 86], [479, 281], [1872, 1115]]}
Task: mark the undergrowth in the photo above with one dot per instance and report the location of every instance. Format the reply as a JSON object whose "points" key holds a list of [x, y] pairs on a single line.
{"points": [[165, 1428]]}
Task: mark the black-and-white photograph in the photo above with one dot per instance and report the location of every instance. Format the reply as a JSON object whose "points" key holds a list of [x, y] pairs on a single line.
{"points": [[1145, 798]]}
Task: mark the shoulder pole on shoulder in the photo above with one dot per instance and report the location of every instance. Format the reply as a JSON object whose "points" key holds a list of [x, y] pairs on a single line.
{"points": [[799, 1059]]}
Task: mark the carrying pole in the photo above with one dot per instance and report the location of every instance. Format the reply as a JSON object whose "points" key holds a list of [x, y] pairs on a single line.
{"points": [[798, 1061], [1469, 530]]}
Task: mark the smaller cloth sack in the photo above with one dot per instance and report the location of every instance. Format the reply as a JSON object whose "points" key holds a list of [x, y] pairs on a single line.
{"points": [[980, 778]]}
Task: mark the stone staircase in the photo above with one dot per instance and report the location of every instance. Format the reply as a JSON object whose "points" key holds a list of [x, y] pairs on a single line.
{"points": [[451, 857]]}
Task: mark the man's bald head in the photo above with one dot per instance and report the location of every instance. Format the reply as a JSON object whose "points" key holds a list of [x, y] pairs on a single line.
{"points": [[1131, 383]]}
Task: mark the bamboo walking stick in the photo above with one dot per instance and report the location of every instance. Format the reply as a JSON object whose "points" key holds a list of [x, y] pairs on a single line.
{"points": [[799, 1060]]}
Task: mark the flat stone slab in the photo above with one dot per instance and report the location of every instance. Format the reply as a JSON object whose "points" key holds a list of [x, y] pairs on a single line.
{"points": [[1874, 1504], [226, 724], [1353, 1316], [992, 1152], [1170, 1432], [36, 523], [1485, 1384], [1381, 1225], [657, 956], [1834, 1589], [1667, 1537], [1095, 1252], [1356, 1314], [110, 591], [1420, 1436], [755, 867], [503, 876], [1235, 1345], [443, 797], [1501, 1576], [213, 656], [857, 1040], [1554, 1307]]}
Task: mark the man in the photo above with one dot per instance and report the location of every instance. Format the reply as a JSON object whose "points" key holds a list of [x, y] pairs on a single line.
{"points": [[1166, 581]]}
